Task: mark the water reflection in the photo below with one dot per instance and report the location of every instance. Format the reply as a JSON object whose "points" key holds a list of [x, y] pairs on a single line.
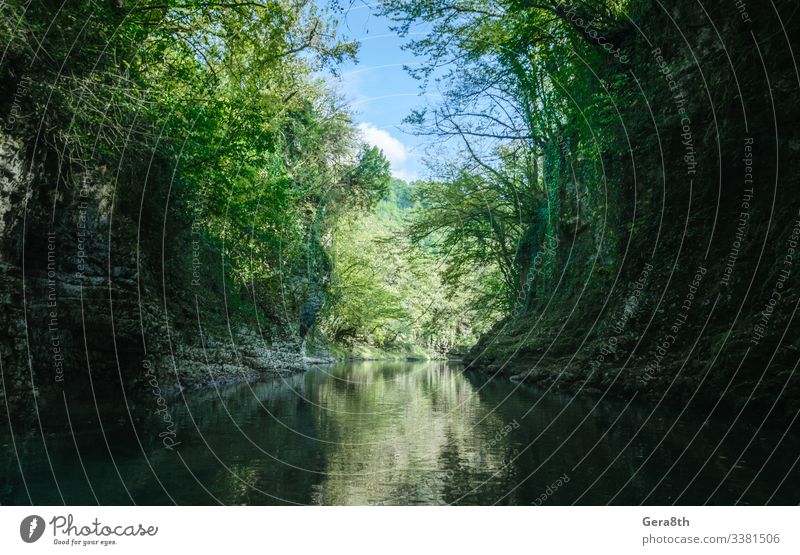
{"points": [[400, 433]]}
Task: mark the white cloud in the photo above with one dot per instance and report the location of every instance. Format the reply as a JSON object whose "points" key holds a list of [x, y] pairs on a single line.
{"points": [[395, 151], [405, 175]]}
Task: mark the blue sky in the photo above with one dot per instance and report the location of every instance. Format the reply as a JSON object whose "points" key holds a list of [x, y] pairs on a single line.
{"points": [[380, 91]]}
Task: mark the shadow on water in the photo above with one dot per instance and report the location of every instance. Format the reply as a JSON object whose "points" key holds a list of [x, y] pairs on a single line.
{"points": [[398, 433]]}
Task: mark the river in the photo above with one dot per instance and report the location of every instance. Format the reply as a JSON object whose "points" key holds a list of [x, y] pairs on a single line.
{"points": [[403, 433]]}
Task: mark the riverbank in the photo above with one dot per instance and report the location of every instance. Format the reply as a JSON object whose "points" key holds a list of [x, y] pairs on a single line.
{"points": [[620, 367], [363, 352]]}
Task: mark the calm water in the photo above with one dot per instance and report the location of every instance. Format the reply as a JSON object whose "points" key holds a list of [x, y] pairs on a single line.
{"points": [[401, 433]]}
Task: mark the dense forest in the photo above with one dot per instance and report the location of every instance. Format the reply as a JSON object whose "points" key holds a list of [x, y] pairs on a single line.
{"points": [[186, 198]]}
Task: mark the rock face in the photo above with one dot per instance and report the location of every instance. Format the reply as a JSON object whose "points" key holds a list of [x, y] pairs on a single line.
{"points": [[103, 291], [690, 289]]}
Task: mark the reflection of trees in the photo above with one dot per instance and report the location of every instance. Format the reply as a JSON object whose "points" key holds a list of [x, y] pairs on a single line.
{"points": [[400, 433], [406, 435]]}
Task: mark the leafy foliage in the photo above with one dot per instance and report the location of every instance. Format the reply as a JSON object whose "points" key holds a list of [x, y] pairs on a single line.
{"points": [[261, 153], [527, 87], [388, 291]]}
